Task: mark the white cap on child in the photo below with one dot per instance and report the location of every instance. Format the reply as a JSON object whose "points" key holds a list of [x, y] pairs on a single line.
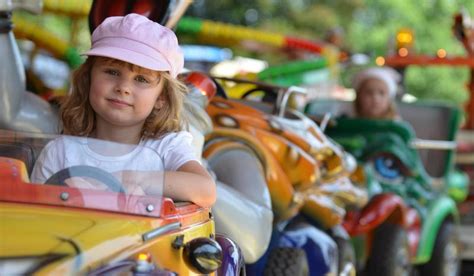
{"points": [[386, 74]]}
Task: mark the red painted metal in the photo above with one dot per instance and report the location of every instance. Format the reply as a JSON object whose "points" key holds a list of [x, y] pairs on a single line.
{"points": [[304, 44], [379, 208], [382, 208], [425, 60], [14, 189]]}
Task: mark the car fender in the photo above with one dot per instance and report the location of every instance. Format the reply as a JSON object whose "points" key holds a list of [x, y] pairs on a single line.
{"points": [[380, 208], [441, 209], [233, 260]]}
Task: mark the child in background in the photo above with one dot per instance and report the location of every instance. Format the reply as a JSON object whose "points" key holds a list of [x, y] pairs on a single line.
{"points": [[375, 93], [127, 92]]}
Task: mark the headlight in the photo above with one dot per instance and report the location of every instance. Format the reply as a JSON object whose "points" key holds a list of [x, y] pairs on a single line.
{"points": [[203, 255]]}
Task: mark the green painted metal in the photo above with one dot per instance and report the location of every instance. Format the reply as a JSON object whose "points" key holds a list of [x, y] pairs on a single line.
{"points": [[73, 58], [359, 242], [457, 185], [189, 25], [438, 211], [366, 138], [290, 68], [297, 72]]}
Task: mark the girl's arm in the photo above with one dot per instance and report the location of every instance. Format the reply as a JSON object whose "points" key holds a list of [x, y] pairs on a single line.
{"points": [[191, 182]]}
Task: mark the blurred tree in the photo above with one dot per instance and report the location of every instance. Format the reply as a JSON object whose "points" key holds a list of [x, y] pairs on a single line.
{"points": [[379, 20], [370, 27]]}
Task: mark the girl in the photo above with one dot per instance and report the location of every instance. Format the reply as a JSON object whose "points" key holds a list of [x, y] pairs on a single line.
{"points": [[127, 92], [375, 93]]}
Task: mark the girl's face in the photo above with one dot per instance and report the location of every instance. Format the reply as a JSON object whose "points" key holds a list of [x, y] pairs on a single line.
{"points": [[123, 95], [374, 99]]}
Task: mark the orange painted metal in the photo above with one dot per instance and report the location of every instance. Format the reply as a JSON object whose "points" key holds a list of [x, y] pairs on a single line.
{"points": [[285, 200], [15, 182], [293, 167]]}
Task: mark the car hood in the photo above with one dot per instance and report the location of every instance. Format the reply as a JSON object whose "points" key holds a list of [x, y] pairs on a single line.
{"points": [[67, 239], [27, 230]]}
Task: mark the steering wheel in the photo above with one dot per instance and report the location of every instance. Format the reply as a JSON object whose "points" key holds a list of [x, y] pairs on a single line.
{"points": [[108, 179]]}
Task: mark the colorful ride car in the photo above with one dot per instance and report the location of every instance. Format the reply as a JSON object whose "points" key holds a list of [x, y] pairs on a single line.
{"points": [[306, 173], [84, 229], [415, 183], [84, 220]]}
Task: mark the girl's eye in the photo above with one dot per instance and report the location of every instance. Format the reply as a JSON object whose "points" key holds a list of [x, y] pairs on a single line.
{"points": [[141, 79], [112, 72]]}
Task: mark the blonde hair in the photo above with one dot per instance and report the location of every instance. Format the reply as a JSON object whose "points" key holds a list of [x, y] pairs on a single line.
{"points": [[78, 117]]}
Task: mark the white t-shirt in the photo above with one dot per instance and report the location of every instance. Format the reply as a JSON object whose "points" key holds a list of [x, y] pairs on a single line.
{"points": [[168, 153]]}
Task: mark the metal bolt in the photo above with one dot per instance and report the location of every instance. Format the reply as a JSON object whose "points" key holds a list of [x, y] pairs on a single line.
{"points": [[64, 196], [150, 208], [178, 242]]}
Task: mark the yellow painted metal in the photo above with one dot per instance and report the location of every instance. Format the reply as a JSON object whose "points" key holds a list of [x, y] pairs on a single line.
{"points": [[27, 29], [317, 174], [69, 8], [102, 238], [223, 31]]}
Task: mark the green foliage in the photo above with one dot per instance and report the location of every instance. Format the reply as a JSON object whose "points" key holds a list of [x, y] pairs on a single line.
{"points": [[378, 21], [370, 27], [438, 83]]}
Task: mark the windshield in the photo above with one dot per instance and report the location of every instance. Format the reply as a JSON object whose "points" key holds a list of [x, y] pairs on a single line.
{"points": [[81, 172]]}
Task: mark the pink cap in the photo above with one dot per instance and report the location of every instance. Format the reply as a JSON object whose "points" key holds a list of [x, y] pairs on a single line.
{"points": [[138, 40]]}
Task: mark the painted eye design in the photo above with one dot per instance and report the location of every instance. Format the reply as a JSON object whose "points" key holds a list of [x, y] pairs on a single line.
{"points": [[389, 168]]}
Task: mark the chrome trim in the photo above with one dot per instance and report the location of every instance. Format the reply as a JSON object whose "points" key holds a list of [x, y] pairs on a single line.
{"points": [[325, 121], [282, 101], [433, 144], [160, 231]]}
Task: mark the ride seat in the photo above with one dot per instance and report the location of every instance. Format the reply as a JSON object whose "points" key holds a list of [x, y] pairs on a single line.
{"points": [[20, 151], [432, 122], [24, 146], [429, 121], [336, 108]]}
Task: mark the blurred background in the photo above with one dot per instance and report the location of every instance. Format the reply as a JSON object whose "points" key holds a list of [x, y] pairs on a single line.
{"points": [[357, 26]]}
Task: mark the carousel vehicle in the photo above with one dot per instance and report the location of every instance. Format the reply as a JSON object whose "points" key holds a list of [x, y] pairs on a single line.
{"points": [[105, 227], [308, 176], [62, 228], [241, 166], [417, 188]]}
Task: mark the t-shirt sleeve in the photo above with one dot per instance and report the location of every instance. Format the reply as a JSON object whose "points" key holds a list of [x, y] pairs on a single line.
{"points": [[178, 150], [48, 162]]}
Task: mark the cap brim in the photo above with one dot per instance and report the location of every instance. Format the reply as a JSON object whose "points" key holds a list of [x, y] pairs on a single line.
{"points": [[130, 56]]}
